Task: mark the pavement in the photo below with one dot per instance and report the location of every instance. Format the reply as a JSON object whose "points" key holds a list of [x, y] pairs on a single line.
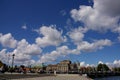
{"points": [[56, 78], [42, 77]]}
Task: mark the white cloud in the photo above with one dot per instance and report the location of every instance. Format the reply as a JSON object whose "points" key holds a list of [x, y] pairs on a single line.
{"points": [[8, 41], [100, 62], [22, 57], [3, 56], [117, 30], [49, 57], [77, 34], [116, 63], [51, 36], [30, 49], [101, 17], [89, 47], [54, 55], [63, 50], [108, 7], [82, 64], [24, 51], [81, 46]]}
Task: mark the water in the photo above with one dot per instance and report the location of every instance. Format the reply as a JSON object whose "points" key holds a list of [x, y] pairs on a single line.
{"points": [[109, 78]]}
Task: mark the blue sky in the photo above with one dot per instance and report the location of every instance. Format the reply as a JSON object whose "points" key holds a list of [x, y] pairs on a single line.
{"points": [[48, 31]]}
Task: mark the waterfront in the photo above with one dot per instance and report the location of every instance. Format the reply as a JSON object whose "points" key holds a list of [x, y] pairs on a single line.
{"points": [[109, 78]]}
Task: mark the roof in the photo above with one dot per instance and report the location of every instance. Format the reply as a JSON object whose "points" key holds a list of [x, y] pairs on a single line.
{"points": [[52, 65]]}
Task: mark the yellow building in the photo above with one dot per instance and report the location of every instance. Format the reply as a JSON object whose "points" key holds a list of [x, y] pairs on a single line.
{"points": [[64, 67]]}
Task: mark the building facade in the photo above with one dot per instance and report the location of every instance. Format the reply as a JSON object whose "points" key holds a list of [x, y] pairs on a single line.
{"points": [[62, 67]]}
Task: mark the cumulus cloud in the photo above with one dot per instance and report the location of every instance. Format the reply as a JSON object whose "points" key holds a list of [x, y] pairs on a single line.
{"points": [[77, 34], [83, 46], [3, 55], [49, 57], [101, 17], [108, 7], [51, 36], [30, 49], [22, 57], [24, 51], [7, 40], [89, 47], [63, 50], [59, 52]]}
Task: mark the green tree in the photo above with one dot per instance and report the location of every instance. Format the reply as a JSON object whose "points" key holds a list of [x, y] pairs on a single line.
{"points": [[1, 64], [99, 67], [102, 67], [105, 67], [116, 69]]}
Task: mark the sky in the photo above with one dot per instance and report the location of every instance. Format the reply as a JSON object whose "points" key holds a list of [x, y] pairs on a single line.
{"points": [[48, 31]]}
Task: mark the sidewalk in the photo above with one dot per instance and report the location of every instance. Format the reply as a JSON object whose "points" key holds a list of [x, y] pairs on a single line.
{"points": [[58, 77]]}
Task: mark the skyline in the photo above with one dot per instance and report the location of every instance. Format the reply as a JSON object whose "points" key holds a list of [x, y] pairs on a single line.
{"points": [[50, 31]]}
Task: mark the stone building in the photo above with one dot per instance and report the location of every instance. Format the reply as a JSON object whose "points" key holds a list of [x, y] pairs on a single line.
{"points": [[62, 67], [51, 67]]}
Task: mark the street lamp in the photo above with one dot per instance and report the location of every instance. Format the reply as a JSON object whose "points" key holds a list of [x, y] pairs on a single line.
{"points": [[13, 60]]}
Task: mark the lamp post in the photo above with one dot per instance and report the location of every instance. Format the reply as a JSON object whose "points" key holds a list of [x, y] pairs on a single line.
{"points": [[13, 60]]}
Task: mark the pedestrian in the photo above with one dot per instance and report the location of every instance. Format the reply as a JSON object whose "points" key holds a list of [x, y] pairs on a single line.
{"points": [[55, 72]]}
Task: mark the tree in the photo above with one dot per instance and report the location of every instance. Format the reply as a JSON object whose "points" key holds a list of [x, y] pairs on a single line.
{"points": [[1, 64], [105, 67], [102, 67], [116, 69], [99, 67]]}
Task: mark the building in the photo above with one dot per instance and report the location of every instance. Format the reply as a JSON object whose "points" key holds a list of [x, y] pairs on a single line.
{"points": [[38, 68], [62, 67], [51, 68]]}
